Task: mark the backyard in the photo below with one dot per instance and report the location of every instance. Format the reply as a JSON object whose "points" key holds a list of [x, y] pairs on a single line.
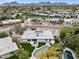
{"points": [[28, 47], [25, 46]]}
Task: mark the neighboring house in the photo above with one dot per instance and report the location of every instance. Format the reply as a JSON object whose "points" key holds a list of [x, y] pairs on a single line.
{"points": [[52, 20], [40, 13], [7, 30], [78, 16], [33, 37], [10, 21], [77, 13], [71, 21], [66, 14], [55, 15], [7, 47]]}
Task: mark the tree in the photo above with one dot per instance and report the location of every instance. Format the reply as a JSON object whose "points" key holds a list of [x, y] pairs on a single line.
{"points": [[22, 54], [73, 9], [37, 8], [65, 30], [3, 34], [17, 16], [62, 35], [42, 54], [3, 18], [31, 8], [53, 52], [18, 29], [49, 8], [76, 31], [71, 38], [61, 21]]}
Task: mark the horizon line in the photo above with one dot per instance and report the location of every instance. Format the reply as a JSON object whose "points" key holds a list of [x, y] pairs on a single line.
{"points": [[37, 2]]}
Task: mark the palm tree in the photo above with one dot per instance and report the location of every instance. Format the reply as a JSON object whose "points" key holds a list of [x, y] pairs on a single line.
{"points": [[54, 52], [42, 55]]}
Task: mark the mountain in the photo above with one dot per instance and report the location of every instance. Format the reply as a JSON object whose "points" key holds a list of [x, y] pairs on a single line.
{"points": [[41, 3], [45, 2], [11, 4], [49, 3], [33, 4], [60, 3]]}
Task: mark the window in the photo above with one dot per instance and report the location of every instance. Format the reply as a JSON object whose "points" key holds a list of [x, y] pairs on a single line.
{"points": [[46, 39], [34, 40], [12, 52], [49, 40], [29, 40]]}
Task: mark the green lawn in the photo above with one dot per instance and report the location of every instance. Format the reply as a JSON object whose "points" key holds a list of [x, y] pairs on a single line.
{"points": [[41, 44], [28, 47]]}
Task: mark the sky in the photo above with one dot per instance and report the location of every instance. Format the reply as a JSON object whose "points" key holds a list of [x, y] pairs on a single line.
{"points": [[36, 1]]}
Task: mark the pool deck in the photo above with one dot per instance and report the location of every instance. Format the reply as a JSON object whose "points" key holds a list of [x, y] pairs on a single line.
{"points": [[33, 57], [67, 49], [47, 44]]}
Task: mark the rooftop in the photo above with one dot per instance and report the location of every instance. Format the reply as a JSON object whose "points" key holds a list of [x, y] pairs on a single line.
{"points": [[71, 19], [7, 46], [37, 35], [52, 19], [10, 21]]}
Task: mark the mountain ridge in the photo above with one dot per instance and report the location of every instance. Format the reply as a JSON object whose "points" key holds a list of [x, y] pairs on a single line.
{"points": [[40, 3]]}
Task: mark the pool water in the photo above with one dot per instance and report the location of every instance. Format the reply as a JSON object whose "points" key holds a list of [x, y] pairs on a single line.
{"points": [[68, 55]]}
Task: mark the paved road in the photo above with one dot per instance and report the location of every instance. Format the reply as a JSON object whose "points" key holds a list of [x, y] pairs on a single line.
{"points": [[46, 26]]}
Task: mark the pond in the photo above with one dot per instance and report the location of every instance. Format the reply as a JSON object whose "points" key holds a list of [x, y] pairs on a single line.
{"points": [[68, 55]]}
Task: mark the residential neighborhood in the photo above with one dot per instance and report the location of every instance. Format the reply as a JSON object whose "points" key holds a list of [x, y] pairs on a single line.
{"points": [[39, 30]]}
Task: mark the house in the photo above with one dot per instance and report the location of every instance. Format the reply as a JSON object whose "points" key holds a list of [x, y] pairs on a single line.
{"points": [[77, 14], [33, 37], [52, 20], [10, 21], [71, 21], [7, 47], [55, 15], [66, 14], [40, 13]]}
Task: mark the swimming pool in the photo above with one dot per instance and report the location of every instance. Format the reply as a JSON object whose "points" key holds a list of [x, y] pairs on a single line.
{"points": [[68, 55], [35, 53]]}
